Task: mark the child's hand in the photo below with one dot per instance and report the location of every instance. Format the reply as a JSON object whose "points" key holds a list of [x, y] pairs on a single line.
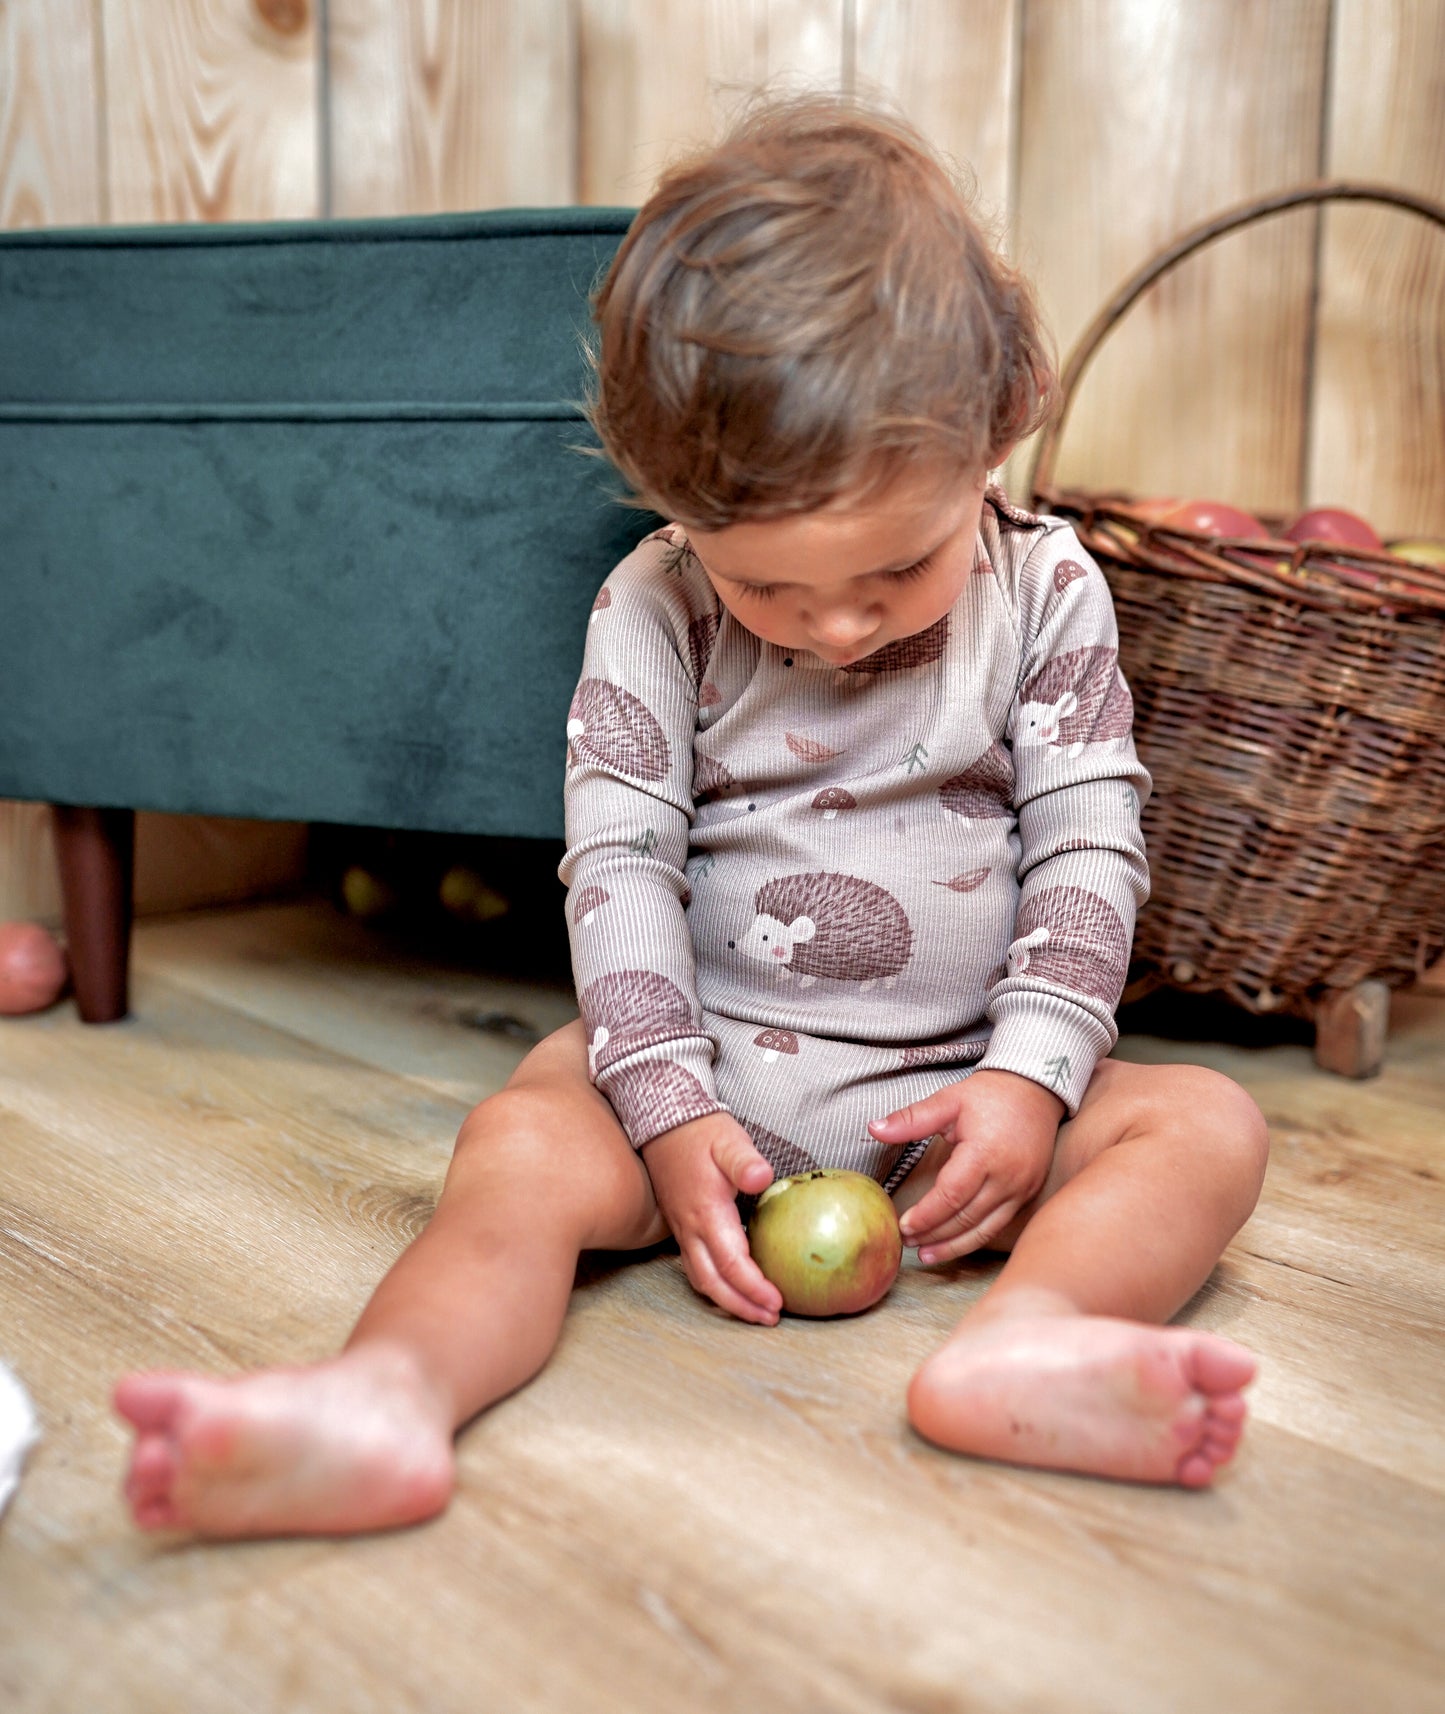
{"points": [[697, 1170], [1002, 1127]]}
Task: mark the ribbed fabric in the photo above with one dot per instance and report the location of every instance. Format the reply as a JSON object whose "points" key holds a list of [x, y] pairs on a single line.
{"points": [[809, 895]]}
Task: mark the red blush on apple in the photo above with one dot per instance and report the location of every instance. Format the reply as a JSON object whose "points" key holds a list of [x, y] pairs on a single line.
{"points": [[1332, 524]]}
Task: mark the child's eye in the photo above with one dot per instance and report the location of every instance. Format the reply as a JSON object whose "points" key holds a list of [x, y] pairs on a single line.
{"points": [[758, 591], [909, 572]]}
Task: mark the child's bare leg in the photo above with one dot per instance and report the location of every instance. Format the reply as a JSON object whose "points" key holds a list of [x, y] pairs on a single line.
{"points": [[1063, 1362], [541, 1171]]}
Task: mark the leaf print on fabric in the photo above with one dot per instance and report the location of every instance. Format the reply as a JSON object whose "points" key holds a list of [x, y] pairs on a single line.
{"points": [[809, 749], [609, 725], [968, 883]]}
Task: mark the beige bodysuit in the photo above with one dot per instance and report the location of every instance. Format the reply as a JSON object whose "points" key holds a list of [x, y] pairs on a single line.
{"points": [[808, 895]]}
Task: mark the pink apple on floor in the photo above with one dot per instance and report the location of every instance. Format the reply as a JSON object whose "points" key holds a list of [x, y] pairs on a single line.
{"points": [[828, 1240], [32, 968], [1333, 524]]}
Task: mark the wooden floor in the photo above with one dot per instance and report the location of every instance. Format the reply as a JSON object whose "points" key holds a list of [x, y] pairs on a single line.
{"points": [[682, 1512]]}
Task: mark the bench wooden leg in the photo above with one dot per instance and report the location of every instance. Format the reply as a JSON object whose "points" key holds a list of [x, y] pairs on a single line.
{"points": [[95, 849], [1350, 1027]]}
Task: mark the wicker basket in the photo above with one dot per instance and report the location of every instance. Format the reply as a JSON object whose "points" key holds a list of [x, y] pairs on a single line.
{"points": [[1290, 704]]}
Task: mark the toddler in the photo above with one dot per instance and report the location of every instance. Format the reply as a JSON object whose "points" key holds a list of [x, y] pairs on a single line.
{"points": [[853, 861]]}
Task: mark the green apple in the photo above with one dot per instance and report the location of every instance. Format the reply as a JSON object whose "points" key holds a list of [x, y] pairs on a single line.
{"points": [[828, 1240], [1421, 549]]}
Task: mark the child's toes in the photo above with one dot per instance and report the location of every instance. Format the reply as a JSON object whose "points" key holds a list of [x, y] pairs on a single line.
{"points": [[152, 1472], [1219, 1367], [160, 1513]]}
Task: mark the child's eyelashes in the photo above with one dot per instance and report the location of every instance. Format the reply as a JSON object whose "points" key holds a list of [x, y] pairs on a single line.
{"points": [[767, 591]]}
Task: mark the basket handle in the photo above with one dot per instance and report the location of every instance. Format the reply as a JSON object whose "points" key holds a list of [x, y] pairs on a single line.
{"points": [[1258, 208]]}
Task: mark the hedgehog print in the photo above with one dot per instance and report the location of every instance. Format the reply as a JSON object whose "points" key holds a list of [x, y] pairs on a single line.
{"points": [[919, 650], [631, 1009], [1074, 939], [1077, 698], [656, 1095], [783, 1157], [825, 925], [610, 726], [985, 788]]}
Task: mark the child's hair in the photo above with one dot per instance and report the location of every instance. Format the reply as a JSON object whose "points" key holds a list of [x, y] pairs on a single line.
{"points": [[801, 312]]}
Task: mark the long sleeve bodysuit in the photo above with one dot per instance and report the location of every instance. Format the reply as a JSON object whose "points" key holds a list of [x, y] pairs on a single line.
{"points": [[808, 895]]}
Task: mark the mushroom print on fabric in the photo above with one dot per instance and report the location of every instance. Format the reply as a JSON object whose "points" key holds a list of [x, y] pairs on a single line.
{"points": [[589, 901], [1068, 571], [1078, 698], [984, 790], [601, 604], [906, 652], [1071, 937], [775, 1042], [656, 1095], [631, 1009], [833, 798], [838, 926], [608, 725]]}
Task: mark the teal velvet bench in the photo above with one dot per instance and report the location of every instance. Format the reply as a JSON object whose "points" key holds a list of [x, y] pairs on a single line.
{"points": [[293, 526]]}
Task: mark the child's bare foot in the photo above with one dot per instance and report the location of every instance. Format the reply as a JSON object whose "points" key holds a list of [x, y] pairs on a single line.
{"points": [[357, 1443], [1087, 1393]]}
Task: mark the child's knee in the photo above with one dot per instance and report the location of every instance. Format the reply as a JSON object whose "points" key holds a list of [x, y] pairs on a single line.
{"points": [[1219, 1116]]}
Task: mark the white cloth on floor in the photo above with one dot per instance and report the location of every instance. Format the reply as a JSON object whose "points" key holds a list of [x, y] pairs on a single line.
{"points": [[18, 1433]]}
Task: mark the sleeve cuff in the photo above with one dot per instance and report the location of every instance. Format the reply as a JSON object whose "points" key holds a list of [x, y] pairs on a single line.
{"points": [[660, 1087], [1048, 1039]]}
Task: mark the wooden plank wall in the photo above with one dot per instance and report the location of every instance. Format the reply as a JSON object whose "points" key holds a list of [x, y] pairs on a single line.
{"points": [[1300, 359]]}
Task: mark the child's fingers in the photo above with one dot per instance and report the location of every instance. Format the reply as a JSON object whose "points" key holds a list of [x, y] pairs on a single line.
{"points": [[936, 1112], [976, 1238], [740, 1163], [705, 1274], [957, 1187]]}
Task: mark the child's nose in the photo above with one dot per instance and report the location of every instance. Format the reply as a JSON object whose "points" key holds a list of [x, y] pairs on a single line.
{"points": [[843, 628]]}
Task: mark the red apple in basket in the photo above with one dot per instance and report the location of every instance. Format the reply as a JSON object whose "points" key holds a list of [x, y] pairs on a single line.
{"points": [[1333, 524], [32, 968], [1213, 518], [828, 1240]]}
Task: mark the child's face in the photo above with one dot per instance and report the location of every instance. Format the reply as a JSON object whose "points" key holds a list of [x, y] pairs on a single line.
{"points": [[844, 581]]}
